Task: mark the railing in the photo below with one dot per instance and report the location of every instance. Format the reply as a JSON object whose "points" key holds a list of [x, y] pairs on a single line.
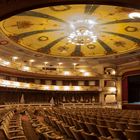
{"points": [[63, 105], [22, 85]]}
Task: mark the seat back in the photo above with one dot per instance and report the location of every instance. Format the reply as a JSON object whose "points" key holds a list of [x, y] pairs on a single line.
{"points": [[111, 124], [92, 128], [134, 126], [117, 133], [121, 125], [67, 130], [77, 133], [2, 135], [88, 136], [47, 136], [133, 134], [103, 131], [101, 122], [83, 126]]}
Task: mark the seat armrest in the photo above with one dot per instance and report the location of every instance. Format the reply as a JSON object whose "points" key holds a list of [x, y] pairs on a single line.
{"points": [[18, 137]]}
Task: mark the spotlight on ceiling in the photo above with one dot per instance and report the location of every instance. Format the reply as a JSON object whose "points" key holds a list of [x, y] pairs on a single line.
{"points": [[74, 64], [134, 15], [31, 60], [45, 63], [14, 58], [60, 63]]}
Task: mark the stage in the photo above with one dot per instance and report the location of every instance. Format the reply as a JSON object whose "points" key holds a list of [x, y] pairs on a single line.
{"points": [[132, 106]]}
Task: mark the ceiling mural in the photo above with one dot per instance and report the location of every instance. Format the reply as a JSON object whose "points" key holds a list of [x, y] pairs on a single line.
{"points": [[74, 31]]}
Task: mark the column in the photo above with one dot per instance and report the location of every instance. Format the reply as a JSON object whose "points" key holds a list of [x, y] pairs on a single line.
{"points": [[102, 99], [119, 91]]}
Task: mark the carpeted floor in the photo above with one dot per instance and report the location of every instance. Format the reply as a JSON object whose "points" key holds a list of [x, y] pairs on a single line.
{"points": [[28, 130]]}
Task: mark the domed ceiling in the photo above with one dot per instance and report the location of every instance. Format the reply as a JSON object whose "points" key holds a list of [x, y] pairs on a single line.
{"points": [[74, 30]]}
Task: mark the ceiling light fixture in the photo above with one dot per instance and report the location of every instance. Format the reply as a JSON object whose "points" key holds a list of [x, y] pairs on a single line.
{"points": [[60, 63], [31, 60], [82, 32], [46, 63], [74, 64], [134, 15], [14, 58]]}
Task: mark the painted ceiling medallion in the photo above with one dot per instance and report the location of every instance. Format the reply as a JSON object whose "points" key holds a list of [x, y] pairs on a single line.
{"points": [[77, 31], [82, 32]]}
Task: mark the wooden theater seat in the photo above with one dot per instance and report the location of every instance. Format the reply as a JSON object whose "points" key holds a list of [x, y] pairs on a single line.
{"points": [[122, 125], [103, 130], [51, 136], [111, 124], [118, 134], [88, 136], [133, 134], [134, 126], [77, 133], [92, 128], [67, 130]]}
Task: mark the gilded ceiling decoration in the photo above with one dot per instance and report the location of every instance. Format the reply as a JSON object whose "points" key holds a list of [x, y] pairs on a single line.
{"points": [[74, 30]]}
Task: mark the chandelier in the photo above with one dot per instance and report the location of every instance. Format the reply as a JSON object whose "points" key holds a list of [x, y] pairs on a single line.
{"points": [[82, 32]]}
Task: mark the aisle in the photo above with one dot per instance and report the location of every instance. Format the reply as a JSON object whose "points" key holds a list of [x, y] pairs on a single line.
{"points": [[28, 130]]}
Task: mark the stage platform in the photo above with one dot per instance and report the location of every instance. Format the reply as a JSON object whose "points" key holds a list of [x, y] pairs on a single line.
{"points": [[135, 103], [132, 106]]}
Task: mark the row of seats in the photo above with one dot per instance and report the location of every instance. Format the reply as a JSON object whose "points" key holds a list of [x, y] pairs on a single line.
{"points": [[65, 120], [11, 127], [73, 124], [42, 129]]}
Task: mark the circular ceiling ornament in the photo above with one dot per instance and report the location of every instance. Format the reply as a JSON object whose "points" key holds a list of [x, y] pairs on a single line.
{"points": [[91, 46], [82, 32], [60, 8], [4, 42], [131, 29], [43, 38], [74, 30]]}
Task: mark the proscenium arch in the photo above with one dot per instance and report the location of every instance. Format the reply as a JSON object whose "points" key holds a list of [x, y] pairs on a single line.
{"points": [[12, 7]]}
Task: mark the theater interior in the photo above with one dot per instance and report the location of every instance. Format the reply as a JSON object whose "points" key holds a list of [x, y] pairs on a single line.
{"points": [[69, 70]]}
